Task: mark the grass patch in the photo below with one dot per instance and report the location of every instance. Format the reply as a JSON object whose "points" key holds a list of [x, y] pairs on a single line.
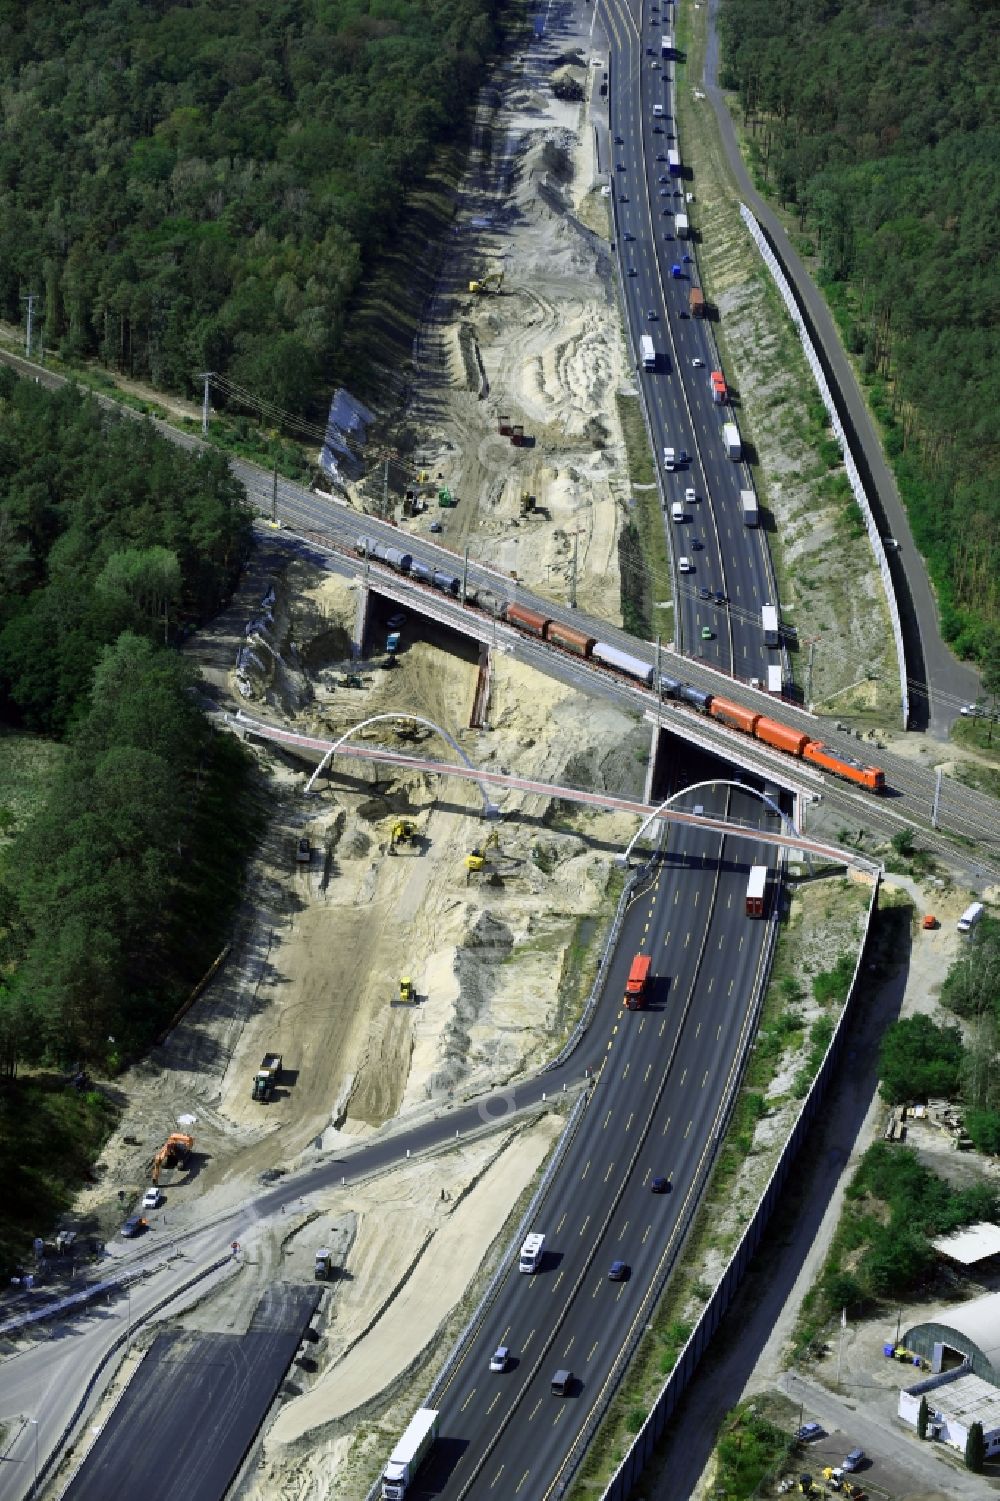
{"points": [[750, 1449], [647, 580], [27, 763], [50, 1137]]}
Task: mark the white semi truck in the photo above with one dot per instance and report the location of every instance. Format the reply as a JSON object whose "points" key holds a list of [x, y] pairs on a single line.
{"points": [[409, 1454], [647, 352], [731, 438], [748, 502]]}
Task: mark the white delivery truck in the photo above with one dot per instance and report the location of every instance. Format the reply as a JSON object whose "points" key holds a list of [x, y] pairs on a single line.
{"points": [[669, 459], [970, 917], [677, 511], [731, 438], [647, 352], [748, 503], [681, 226], [409, 1454], [531, 1253], [775, 680], [769, 621]]}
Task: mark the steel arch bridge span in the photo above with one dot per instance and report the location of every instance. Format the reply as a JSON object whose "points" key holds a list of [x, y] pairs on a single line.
{"points": [[657, 812], [490, 810]]}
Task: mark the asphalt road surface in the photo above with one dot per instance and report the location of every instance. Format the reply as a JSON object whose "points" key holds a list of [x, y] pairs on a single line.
{"points": [[190, 1413], [655, 1109], [725, 576], [939, 682]]}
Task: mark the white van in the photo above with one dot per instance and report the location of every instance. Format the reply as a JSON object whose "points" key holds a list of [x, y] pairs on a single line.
{"points": [[685, 565], [669, 458], [532, 1252], [677, 512], [970, 917]]}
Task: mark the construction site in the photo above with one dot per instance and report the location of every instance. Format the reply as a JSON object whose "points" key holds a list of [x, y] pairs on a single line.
{"points": [[396, 953]]}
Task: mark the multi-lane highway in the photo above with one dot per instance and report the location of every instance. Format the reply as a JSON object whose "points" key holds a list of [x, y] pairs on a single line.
{"points": [[656, 1108], [726, 575]]}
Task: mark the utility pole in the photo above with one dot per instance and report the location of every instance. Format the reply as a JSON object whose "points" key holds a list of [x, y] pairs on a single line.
{"points": [[809, 674], [385, 490], [659, 680], [29, 298], [274, 493], [937, 798], [572, 581], [465, 572], [206, 376]]}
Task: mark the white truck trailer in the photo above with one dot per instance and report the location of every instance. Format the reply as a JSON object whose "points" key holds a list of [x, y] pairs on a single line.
{"points": [[769, 621], [647, 352], [748, 504], [409, 1454], [731, 438]]}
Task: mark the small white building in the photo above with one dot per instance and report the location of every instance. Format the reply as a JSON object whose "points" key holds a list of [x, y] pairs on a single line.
{"points": [[955, 1400]]}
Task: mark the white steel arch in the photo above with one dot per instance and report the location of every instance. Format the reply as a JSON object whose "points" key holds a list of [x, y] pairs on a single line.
{"points": [[626, 855], [490, 810]]}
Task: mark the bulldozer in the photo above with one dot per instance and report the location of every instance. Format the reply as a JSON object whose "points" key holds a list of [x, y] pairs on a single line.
{"points": [[406, 992], [446, 500], [174, 1152], [486, 284], [476, 859], [404, 831], [527, 504]]}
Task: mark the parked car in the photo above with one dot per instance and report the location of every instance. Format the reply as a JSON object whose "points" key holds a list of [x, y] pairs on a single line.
{"points": [[435, 526], [809, 1431], [134, 1225], [854, 1461], [152, 1198]]}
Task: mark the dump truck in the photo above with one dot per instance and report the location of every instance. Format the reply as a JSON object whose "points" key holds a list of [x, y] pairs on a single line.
{"points": [[174, 1152], [323, 1265], [409, 1454], [404, 831], [696, 302], [267, 1076], [638, 979], [405, 991]]}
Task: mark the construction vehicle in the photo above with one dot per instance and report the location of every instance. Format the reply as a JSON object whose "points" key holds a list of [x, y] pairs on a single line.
{"points": [[527, 504], [174, 1152], [404, 831], [491, 283], [323, 1265], [445, 498], [517, 435], [303, 852], [392, 643], [475, 860], [407, 994], [503, 425], [266, 1077]]}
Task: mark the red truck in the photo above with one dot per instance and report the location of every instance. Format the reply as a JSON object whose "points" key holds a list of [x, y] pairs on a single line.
{"points": [[638, 979], [757, 891]]}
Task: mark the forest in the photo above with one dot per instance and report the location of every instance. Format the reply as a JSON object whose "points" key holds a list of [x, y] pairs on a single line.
{"points": [[877, 126], [202, 185], [115, 894]]}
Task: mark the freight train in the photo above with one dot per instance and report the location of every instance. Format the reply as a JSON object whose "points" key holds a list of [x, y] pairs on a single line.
{"points": [[735, 716]]}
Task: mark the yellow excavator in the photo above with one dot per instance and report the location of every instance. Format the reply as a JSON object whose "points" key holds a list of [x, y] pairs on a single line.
{"points": [[405, 991], [404, 831], [475, 860], [491, 283]]}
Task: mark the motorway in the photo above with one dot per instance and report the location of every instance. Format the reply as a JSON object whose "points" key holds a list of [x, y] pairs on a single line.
{"points": [[728, 575], [660, 1097]]}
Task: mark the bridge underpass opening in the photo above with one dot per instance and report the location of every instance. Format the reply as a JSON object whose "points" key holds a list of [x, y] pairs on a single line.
{"points": [[679, 764]]}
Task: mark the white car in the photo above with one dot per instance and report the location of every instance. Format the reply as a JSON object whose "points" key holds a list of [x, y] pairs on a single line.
{"points": [[500, 1359], [690, 496], [152, 1198], [698, 364], [685, 565]]}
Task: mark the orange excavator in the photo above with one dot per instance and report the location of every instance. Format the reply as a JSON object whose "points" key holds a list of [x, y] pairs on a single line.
{"points": [[174, 1152]]}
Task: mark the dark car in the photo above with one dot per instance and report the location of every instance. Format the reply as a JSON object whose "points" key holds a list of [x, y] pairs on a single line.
{"points": [[631, 270], [668, 235], [665, 177], [664, 192], [657, 130], [651, 315], [660, 1185], [809, 1431], [720, 598], [687, 259], [621, 166], [662, 156], [435, 526], [854, 1460], [619, 1271], [134, 1225], [704, 593], [623, 198], [628, 236], [619, 140]]}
